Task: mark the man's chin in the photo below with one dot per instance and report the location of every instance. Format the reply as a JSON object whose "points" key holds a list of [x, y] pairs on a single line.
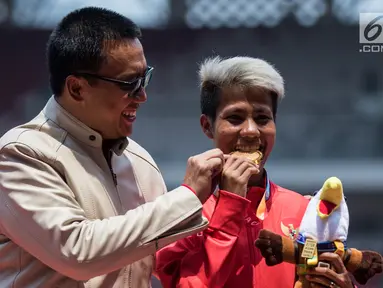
{"points": [[125, 132]]}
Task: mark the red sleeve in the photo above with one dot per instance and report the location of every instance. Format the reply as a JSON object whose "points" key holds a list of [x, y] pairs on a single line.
{"points": [[201, 260], [191, 189]]}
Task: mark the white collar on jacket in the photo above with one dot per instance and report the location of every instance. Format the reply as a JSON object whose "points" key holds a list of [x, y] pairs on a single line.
{"points": [[56, 113]]}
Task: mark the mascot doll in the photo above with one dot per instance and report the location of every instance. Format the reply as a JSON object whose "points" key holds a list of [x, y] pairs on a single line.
{"points": [[324, 228]]}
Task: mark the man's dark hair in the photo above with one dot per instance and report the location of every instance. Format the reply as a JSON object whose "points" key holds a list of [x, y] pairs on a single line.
{"points": [[210, 98], [78, 42]]}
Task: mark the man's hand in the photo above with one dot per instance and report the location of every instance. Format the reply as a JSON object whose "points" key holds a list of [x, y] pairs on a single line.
{"points": [[326, 277], [236, 174], [200, 171]]}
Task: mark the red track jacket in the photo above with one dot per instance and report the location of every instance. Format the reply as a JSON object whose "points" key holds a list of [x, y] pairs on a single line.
{"points": [[224, 254]]}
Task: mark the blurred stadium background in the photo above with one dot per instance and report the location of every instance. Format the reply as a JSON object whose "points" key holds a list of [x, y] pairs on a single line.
{"points": [[330, 123]]}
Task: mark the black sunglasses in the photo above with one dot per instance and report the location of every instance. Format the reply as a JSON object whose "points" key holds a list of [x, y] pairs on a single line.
{"points": [[127, 86]]}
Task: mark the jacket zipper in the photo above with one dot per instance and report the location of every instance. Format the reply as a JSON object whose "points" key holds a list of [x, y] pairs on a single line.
{"points": [[114, 176], [130, 277], [109, 161]]}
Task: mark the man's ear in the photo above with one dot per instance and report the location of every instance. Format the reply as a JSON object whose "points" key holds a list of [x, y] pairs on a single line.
{"points": [[75, 87], [207, 126]]}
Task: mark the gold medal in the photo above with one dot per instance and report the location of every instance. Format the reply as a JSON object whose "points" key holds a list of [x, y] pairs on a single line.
{"points": [[256, 156]]}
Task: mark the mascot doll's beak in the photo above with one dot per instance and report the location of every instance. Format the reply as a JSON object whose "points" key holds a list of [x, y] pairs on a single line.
{"points": [[330, 197]]}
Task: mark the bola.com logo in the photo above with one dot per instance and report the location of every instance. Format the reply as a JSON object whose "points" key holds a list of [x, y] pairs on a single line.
{"points": [[370, 32]]}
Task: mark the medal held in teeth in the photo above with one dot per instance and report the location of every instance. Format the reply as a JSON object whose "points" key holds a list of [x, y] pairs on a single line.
{"points": [[255, 157]]}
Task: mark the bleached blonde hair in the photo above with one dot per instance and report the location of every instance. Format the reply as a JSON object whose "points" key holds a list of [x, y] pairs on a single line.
{"points": [[244, 71]]}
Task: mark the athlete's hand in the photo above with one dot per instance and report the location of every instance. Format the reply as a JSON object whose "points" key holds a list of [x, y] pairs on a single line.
{"points": [[327, 277], [236, 173]]}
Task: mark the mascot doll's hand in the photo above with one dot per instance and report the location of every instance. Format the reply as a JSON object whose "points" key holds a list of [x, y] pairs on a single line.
{"points": [[363, 264], [270, 245], [275, 248]]}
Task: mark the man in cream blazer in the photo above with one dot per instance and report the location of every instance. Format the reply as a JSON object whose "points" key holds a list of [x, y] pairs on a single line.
{"points": [[81, 204]]}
